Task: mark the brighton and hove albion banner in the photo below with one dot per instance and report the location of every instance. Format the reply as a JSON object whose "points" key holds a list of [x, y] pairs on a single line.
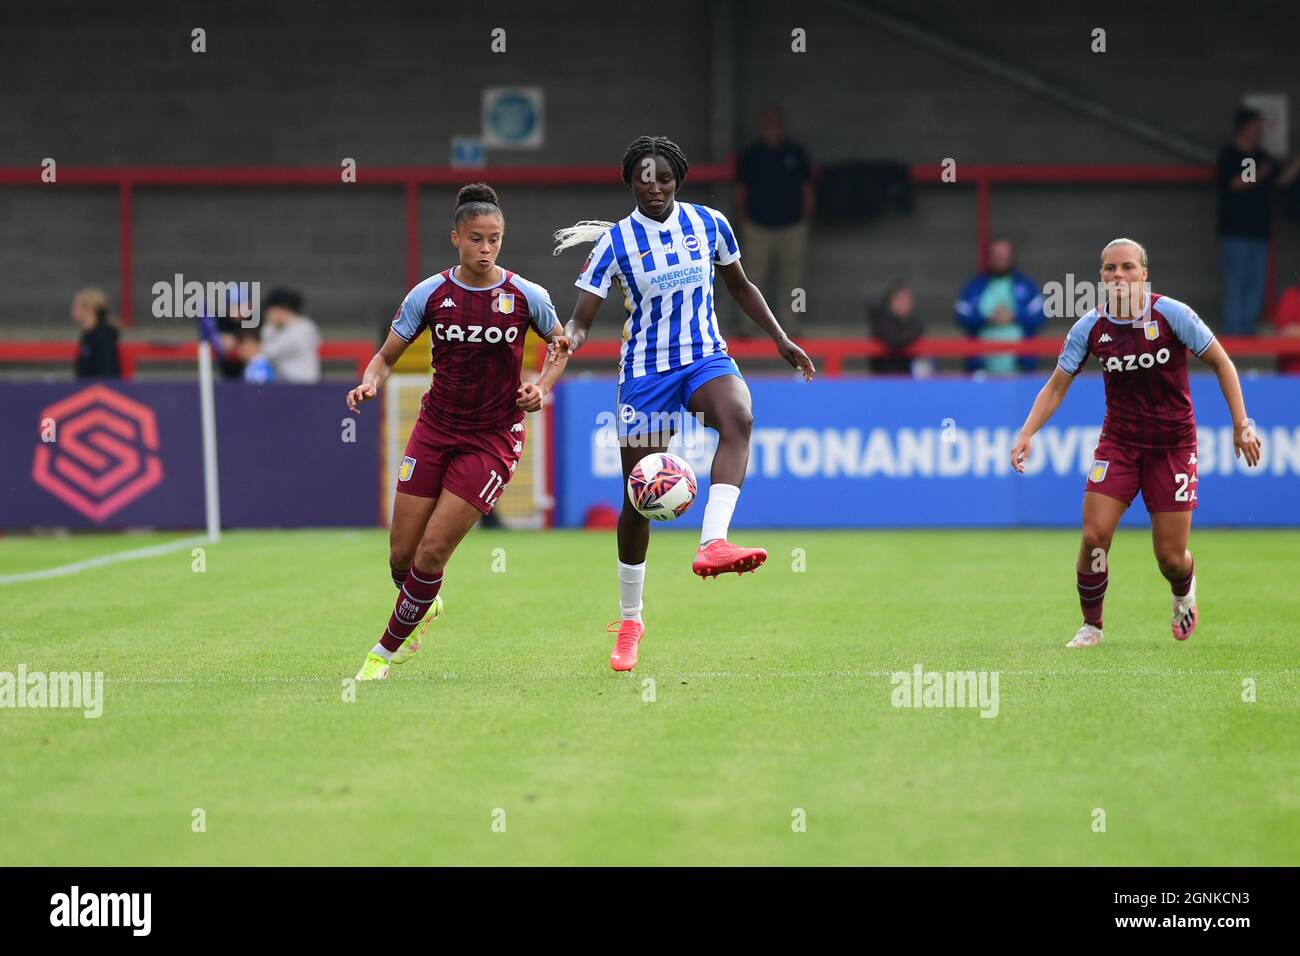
{"points": [[117, 454], [937, 452]]}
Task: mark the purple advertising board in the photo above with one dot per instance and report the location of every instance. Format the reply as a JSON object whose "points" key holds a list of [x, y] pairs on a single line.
{"points": [[122, 454]]}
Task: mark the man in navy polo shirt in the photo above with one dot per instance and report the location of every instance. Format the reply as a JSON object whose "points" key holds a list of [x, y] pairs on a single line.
{"points": [[774, 200], [1246, 178]]}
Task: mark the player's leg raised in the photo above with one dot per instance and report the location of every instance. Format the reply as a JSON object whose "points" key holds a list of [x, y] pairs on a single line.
{"points": [[724, 403]]}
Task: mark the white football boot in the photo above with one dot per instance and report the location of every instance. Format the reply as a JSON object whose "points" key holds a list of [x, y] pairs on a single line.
{"points": [[1087, 636], [1184, 620]]}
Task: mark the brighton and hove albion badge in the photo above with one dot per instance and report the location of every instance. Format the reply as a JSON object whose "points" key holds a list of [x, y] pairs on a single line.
{"points": [[506, 303], [1098, 470], [408, 466]]}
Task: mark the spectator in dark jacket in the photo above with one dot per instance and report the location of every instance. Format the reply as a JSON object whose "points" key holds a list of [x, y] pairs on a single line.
{"points": [[774, 201], [1247, 177], [97, 355], [999, 296], [893, 324]]}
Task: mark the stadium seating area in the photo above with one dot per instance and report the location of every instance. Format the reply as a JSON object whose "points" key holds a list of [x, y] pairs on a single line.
{"points": [[347, 246]]}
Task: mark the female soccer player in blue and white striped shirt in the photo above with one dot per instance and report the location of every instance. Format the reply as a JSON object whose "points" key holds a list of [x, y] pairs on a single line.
{"points": [[674, 358]]}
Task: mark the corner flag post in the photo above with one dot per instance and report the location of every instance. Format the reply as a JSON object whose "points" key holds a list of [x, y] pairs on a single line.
{"points": [[208, 418]]}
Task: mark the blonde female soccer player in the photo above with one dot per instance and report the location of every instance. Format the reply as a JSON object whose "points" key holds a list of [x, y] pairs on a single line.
{"points": [[1148, 438]]}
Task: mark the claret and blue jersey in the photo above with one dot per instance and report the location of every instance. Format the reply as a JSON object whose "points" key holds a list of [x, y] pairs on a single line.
{"points": [[1144, 364], [477, 344]]}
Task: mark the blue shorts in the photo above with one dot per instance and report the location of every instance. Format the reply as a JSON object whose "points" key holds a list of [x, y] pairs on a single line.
{"points": [[656, 402]]}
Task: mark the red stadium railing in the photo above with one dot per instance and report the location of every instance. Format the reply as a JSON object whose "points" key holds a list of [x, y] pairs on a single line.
{"points": [[127, 179], [167, 353], [829, 354]]}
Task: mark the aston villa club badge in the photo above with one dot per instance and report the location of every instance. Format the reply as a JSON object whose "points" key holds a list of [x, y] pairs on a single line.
{"points": [[506, 303]]}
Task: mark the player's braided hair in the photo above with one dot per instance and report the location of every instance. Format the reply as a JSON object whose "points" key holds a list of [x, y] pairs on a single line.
{"points": [[644, 146], [477, 199]]}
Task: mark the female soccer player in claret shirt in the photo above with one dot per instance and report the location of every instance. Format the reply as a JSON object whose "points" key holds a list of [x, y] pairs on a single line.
{"points": [[673, 358], [1148, 438], [470, 432]]}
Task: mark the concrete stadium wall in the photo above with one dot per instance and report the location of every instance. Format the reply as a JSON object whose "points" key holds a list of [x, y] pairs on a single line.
{"points": [[389, 84]]}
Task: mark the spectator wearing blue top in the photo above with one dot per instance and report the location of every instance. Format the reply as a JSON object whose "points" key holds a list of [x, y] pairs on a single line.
{"points": [[774, 200], [1001, 304]]}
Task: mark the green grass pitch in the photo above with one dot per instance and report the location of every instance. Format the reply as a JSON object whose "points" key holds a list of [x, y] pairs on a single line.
{"points": [[224, 691]]}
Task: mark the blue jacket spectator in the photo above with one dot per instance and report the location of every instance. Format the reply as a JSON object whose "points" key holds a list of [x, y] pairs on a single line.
{"points": [[999, 296]]}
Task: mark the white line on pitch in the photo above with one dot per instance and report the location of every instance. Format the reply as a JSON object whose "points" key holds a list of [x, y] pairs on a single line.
{"points": [[117, 556], [697, 675]]}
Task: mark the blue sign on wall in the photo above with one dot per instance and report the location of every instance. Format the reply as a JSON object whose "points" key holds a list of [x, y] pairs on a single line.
{"points": [[906, 453], [467, 152], [514, 117]]}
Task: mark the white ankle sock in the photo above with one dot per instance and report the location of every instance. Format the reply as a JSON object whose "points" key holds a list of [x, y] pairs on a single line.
{"points": [[631, 582], [382, 651], [717, 513]]}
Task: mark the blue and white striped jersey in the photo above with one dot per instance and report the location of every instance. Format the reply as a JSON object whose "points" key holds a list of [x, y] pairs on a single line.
{"points": [[666, 270]]}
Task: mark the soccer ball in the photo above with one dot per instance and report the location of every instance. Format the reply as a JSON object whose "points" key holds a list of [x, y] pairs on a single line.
{"points": [[661, 487]]}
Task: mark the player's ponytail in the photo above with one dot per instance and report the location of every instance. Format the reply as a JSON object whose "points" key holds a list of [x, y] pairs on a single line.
{"points": [[477, 199], [589, 230]]}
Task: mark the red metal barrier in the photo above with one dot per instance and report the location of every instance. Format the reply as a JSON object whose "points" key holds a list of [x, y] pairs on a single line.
{"points": [[985, 176], [829, 354], [133, 353], [127, 179]]}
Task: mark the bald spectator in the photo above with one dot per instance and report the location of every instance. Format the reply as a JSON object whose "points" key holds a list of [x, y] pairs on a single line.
{"points": [[1001, 304], [97, 355]]}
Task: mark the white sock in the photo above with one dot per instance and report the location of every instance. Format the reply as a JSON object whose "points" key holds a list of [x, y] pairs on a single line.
{"points": [[717, 513], [631, 582], [382, 651]]}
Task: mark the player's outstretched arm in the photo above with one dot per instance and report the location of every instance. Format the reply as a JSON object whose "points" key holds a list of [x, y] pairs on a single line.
{"points": [[575, 330], [532, 395], [754, 305], [1244, 437], [1045, 406], [377, 372]]}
